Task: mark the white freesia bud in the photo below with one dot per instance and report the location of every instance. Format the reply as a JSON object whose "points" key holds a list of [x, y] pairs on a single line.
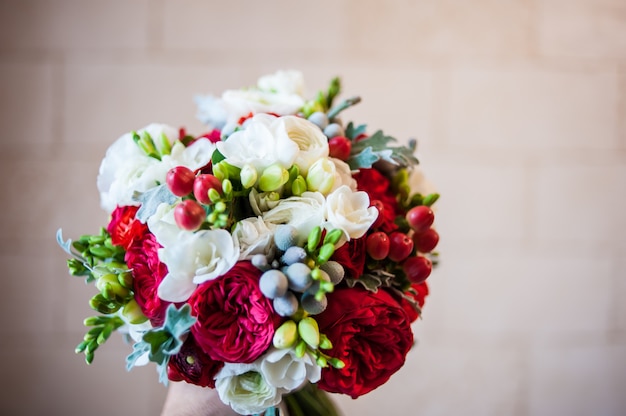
{"points": [[321, 176], [245, 389], [350, 211], [195, 258], [283, 369], [248, 176]]}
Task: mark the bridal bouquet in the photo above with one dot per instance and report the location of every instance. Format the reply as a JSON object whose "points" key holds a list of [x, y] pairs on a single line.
{"points": [[283, 251]]}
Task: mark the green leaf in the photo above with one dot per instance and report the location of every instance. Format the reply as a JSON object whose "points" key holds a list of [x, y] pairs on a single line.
{"points": [[364, 159], [372, 281], [161, 343], [379, 148], [353, 132], [151, 199]]}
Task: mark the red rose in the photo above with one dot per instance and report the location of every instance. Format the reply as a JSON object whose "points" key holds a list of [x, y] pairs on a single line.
{"points": [[143, 260], [351, 256], [421, 291], [124, 228], [378, 188], [236, 321], [192, 365], [370, 332]]}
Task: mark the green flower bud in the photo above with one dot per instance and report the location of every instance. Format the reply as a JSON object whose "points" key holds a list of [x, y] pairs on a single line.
{"points": [[314, 238], [321, 176], [227, 188], [273, 178], [286, 335], [325, 343], [321, 361], [337, 363], [298, 187], [249, 176], [326, 253], [220, 171], [166, 147], [333, 237], [100, 251], [300, 349], [309, 332], [294, 172], [132, 312], [214, 195], [125, 279], [430, 199]]}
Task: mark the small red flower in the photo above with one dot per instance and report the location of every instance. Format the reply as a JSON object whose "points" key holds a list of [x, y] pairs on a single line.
{"points": [[124, 227], [192, 365], [143, 260]]}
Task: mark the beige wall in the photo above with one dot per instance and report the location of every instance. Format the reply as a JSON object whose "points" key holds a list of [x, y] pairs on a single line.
{"points": [[520, 109]]}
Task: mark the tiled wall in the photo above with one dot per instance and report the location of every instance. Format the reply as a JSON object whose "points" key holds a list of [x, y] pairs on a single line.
{"points": [[520, 110]]}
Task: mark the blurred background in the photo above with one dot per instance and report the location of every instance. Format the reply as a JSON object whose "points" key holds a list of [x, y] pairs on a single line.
{"points": [[519, 107]]}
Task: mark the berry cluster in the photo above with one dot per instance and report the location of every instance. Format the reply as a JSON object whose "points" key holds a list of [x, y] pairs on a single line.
{"points": [[204, 198], [407, 248]]}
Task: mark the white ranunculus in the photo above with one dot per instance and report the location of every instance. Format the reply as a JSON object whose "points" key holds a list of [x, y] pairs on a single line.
{"points": [[321, 176], [343, 175], [283, 369], [304, 212], [245, 390], [350, 211], [195, 258], [163, 225], [126, 169], [262, 143], [254, 236], [312, 143]]}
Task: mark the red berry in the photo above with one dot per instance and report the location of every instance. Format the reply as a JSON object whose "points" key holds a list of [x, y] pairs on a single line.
{"points": [[420, 218], [201, 187], [377, 245], [425, 242], [400, 247], [340, 147], [189, 215], [417, 268], [180, 180], [378, 204]]}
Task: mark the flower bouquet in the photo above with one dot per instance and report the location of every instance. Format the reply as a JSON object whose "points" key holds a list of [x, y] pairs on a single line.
{"points": [[278, 257]]}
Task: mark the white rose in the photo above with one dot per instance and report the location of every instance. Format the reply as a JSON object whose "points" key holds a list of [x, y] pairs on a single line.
{"points": [[283, 369], [312, 143], [253, 236], [304, 212], [195, 258], [350, 211], [243, 387], [262, 143]]}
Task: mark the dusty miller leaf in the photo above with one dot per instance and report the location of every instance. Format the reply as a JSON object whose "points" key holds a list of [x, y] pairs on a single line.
{"points": [[151, 199]]}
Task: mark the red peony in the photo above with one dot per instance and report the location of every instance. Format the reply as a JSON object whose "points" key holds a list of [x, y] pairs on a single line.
{"points": [[370, 332], [351, 256], [192, 365], [236, 321], [124, 228], [143, 260], [378, 188]]}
